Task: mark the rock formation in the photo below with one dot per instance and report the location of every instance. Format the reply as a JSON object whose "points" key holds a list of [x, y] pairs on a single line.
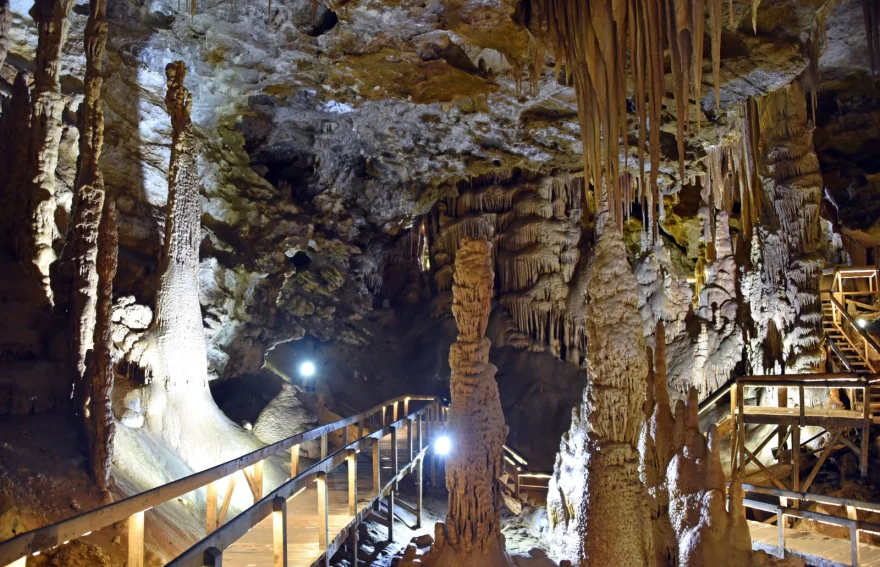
{"points": [[170, 359], [52, 19], [783, 288], [88, 204], [597, 502], [5, 17], [101, 370], [472, 533]]}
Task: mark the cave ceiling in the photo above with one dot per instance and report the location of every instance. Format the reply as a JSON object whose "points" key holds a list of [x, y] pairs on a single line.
{"points": [[325, 129]]}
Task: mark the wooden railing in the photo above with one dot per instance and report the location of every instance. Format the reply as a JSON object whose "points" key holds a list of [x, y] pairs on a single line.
{"points": [[865, 345], [791, 422], [783, 510], [14, 552], [517, 468]]}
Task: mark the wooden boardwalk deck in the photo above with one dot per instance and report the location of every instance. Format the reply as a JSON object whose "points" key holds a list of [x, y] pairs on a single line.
{"points": [[814, 548], [255, 548]]}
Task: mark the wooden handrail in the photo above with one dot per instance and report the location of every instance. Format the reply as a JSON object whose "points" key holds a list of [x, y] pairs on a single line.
{"points": [[66, 530], [812, 497], [714, 398], [868, 341], [236, 528]]}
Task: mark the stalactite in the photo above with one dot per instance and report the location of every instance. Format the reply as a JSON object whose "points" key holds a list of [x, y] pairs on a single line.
{"points": [[99, 411], [715, 33], [52, 19], [871, 10], [88, 201]]}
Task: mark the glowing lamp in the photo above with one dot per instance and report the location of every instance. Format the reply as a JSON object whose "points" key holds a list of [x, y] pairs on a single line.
{"points": [[861, 323], [443, 445], [307, 369]]}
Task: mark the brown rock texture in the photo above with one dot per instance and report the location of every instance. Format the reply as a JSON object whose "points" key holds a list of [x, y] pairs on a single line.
{"points": [[472, 533], [597, 502]]}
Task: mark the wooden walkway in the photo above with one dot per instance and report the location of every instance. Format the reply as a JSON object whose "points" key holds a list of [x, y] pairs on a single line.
{"points": [[303, 548], [813, 547]]}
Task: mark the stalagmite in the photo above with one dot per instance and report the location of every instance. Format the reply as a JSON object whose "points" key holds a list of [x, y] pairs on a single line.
{"points": [[171, 358], [99, 413], [597, 503], [472, 534], [52, 19], [88, 201]]}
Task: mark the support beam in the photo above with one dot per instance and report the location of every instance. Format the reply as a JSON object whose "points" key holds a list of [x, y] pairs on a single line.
{"points": [[136, 540], [390, 500], [323, 446], [353, 544], [822, 458], [796, 458], [396, 417], [419, 482], [227, 500], [409, 439]]}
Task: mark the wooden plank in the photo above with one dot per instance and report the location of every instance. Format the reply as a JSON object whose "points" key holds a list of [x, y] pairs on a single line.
{"points": [[136, 540], [279, 532], [763, 468]]}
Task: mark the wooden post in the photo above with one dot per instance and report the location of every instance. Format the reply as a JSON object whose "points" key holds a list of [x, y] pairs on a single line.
{"points": [[802, 422], [360, 428], [734, 436], [258, 480], [406, 407], [516, 483], [294, 461], [409, 439], [323, 513], [420, 432], [345, 436], [395, 412], [390, 516], [780, 529], [853, 534], [394, 464], [419, 481], [377, 466], [213, 557], [136, 540], [782, 402], [382, 424], [352, 482], [211, 513], [279, 532], [740, 400], [353, 544], [323, 446], [796, 458], [866, 432]]}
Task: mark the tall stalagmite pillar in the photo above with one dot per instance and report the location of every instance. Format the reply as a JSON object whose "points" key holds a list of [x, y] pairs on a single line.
{"points": [[88, 201], [99, 412], [597, 503], [476, 423], [52, 19]]}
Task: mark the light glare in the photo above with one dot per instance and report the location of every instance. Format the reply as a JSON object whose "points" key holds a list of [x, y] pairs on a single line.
{"points": [[443, 445], [861, 323], [307, 369]]}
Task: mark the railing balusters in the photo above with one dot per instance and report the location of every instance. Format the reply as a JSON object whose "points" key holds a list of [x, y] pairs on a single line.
{"points": [[323, 513], [211, 513], [377, 466], [395, 412], [294, 461], [323, 446], [394, 463], [136, 540], [279, 532], [352, 482]]}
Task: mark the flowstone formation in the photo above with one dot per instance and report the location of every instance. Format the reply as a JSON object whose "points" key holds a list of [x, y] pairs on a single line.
{"points": [[596, 501], [170, 359], [533, 222], [783, 290], [472, 533]]}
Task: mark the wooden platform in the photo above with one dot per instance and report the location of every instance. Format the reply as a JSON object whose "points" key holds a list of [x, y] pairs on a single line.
{"points": [[814, 548], [255, 548]]}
